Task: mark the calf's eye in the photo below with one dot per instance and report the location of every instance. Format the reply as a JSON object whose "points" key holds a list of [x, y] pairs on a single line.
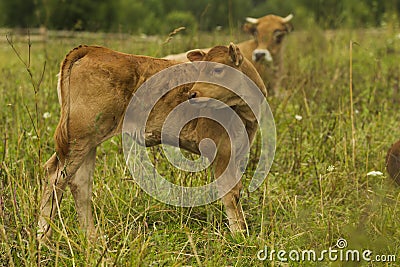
{"points": [[218, 71]]}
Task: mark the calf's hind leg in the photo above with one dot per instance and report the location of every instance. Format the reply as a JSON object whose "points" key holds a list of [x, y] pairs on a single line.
{"points": [[51, 196], [59, 175], [81, 185]]}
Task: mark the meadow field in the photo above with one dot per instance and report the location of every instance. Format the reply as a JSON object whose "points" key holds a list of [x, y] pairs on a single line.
{"points": [[331, 133]]}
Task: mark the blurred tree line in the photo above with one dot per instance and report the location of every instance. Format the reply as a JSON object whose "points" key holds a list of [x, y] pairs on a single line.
{"points": [[162, 16]]}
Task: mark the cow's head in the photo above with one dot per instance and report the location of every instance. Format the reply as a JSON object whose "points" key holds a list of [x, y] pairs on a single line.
{"points": [[268, 32], [224, 58]]}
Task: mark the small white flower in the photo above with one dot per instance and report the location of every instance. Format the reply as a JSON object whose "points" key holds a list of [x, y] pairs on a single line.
{"points": [[374, 173], [330, 168], [46, 115], [298, 117]]}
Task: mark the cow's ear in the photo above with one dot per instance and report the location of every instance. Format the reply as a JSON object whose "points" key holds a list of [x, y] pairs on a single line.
{"points": [[195, 55], [289, 27], [251, 26], [235, 55], [288, 24]]}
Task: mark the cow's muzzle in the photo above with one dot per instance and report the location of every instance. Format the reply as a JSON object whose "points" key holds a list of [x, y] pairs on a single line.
{"points": [[261, 54]]}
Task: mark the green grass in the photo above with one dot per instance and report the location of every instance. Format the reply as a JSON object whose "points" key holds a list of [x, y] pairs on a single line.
{"points": [[304, 203]]}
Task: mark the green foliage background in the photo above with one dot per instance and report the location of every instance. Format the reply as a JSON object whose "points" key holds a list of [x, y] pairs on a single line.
{"points": [[315, 193], [151, 17]]}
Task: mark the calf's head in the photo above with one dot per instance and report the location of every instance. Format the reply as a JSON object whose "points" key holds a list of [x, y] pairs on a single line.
{"points": [[268, 32], [225, 60]]}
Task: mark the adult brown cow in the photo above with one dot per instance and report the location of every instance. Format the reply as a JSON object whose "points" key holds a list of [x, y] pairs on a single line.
{"points": [[95, 87], [264, 50], [393, 162]]}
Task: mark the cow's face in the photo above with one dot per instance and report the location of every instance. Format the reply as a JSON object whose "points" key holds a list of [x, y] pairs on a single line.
{"points": [[268, 32]]}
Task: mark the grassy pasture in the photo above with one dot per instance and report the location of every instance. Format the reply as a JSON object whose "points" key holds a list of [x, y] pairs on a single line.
{"points": [[317, 191]]}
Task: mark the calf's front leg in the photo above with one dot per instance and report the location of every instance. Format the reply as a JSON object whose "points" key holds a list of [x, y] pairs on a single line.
{"points": [[234, 211], [231, 199]]}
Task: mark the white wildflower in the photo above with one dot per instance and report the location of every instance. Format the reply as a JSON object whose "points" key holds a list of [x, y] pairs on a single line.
{"points": [[298, 117], [330, 168], [46, 115], [374, 173]]}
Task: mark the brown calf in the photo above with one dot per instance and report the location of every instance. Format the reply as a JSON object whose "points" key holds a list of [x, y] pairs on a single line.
{"points": [[95, 87]]}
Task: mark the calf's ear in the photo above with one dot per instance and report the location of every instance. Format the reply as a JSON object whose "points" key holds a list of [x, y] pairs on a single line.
{"points": [[235, 55], [195, 55]]}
